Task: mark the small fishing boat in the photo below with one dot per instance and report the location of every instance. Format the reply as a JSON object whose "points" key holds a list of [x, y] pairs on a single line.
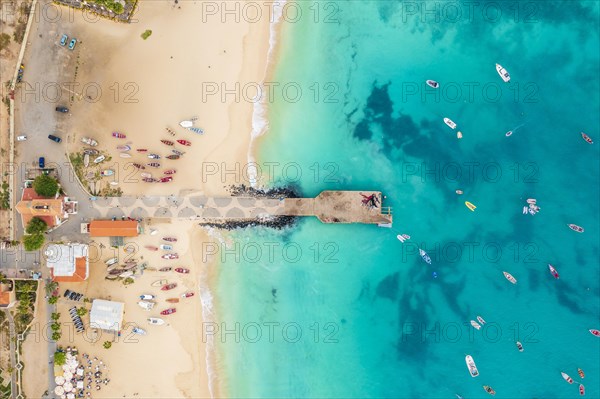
{"points": [[153, 156], [168, 287], [153, 164], [167, 142], [108, 172], [553, 271], [111, 278], [156, 321], [130, 266], [112, 267], [146, 175], [459, 135], [149, 269], [115, 272], [470, 206], [86, 160], [519, 346], [142, 150], [125, 155], [587, 138], [169, 239], [99, 159], [166, 179], [432, 83], [159, 283], [186, 124], [185, 142], [576, 228], [450, 123], [581, 373], [149, 180], [168, 311], [123, 147], [182, 270], [146, 305], [459, 192], [510, 278], [595, 332], [170, 172], [196, 130], [165, 269], [581, 390], [153, 232], [509, 133], [424, 255], [118, 135], [166, 247], [177, 152], [503, 73], [489, 390], [139, 166], [471, 366], [126, 274], [139, 331], [401, 238], [89, 141], [187, 294], [91, 151], [475, 325], [170, 256], [172, 157], [146, 296], [170, 131], [173, 300], [566, 377], [111, 261], [525, 210], [480, 319], [151, 248]]}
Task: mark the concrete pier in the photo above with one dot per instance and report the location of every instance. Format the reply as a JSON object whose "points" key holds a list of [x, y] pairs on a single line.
{"points": [[328, 207]]}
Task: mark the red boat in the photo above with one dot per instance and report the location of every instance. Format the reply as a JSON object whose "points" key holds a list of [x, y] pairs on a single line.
{"points": [[118, 135], [581, 373], [165, 269], [170, 256], [139, 166], [581, 389], [142, 150], [187, 295], [154, 164], [170, 239], [149, 180], [576, 228], [170, 172], [167, 142], [595, 332], [553, 271], [168, 311], [151, 248], [168, 287], [182, 270], [166, 179], [172, 157], [587, 138], [185, 142]]}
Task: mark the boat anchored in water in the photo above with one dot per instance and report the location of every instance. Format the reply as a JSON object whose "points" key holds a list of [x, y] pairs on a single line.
{"points": [[450, 123], [566, 377], [576, 228], [489, 390], [471, 366], [503, 73], [581, 390], [510, 277], [581, 373], [519, 346], [403, 237], [553, 271], [432, 83], [480, 319], [470, 206], [587, 138], [424, 255], [595, 332], [475, 325]]}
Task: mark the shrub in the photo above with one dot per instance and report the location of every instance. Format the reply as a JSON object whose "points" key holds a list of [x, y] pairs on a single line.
{"points": [[81, 311], [55, 316], [33, 242], [146, 34], [107, 344], [45, 185], [4, 41], [36, 226], [60, 358], [56, 336], [52, 300]]}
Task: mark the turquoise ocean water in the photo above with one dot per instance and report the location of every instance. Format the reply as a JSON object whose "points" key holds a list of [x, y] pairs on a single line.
{"points": [[348, 311]]}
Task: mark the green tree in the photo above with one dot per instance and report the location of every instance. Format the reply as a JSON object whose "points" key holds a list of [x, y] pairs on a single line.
{"points": [[52, 300], [33, 242], [36, 226], [60, 358], [107, 344], [81, 311], [56, 336], [4, 41], [55, 326], [51, 287], [45, 186], [55, 316]]}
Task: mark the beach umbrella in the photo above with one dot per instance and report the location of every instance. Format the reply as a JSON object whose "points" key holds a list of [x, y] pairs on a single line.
{"points": [[79, 384], [59, 390], [80, 371], [68, 375], [59, 380], [68, 386], [63, 396], [70, 396]]}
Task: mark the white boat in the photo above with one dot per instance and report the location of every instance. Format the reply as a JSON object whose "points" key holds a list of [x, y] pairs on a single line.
{"points": [[139, 331], [145, 175], [471, 366], [503, 73], [510, 278], [519, 346], [89, 141], [399, 237], [509, 133], [111, 261], [146, 296], [196, 130], [153, 232], [86, 160], [146, 305], [125, 155], [450, 123], [432, 83], [166, 247], [124, 148], [126, 274], [525, 210], [475, 325], [424, 255], [99, 159], [156, 321], [480, 319], [108, 172], [186, 124], [566, 377]]}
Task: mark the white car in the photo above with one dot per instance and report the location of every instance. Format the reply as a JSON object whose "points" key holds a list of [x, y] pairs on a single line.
{"points": [[21, 138]]}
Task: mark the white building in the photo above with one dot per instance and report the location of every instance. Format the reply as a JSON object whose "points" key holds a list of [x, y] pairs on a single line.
{"points": [[107, 315], [68, 262]]}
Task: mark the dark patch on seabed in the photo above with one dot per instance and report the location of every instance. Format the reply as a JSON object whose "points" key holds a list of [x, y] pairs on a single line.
{"points": [[388, 287]]}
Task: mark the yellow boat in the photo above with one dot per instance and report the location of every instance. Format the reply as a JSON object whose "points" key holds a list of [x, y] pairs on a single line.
{"points": [[470, 206]]}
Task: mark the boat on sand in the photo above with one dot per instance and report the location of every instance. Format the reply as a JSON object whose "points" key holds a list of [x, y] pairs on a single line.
{"points": [[118, 135], [187, 294], [159, 283], [173, 300], [182, 270], [168, 311], [156, 321], [168, 287]]}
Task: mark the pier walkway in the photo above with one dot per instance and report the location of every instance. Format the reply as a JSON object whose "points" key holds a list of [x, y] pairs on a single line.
{"points": [[329, 207]]}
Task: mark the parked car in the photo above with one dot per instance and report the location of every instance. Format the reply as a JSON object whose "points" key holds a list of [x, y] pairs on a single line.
{"points": [[63, 40], [42, 162], [64, 110], [72, 44], [54, 138], [21, 138]]}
